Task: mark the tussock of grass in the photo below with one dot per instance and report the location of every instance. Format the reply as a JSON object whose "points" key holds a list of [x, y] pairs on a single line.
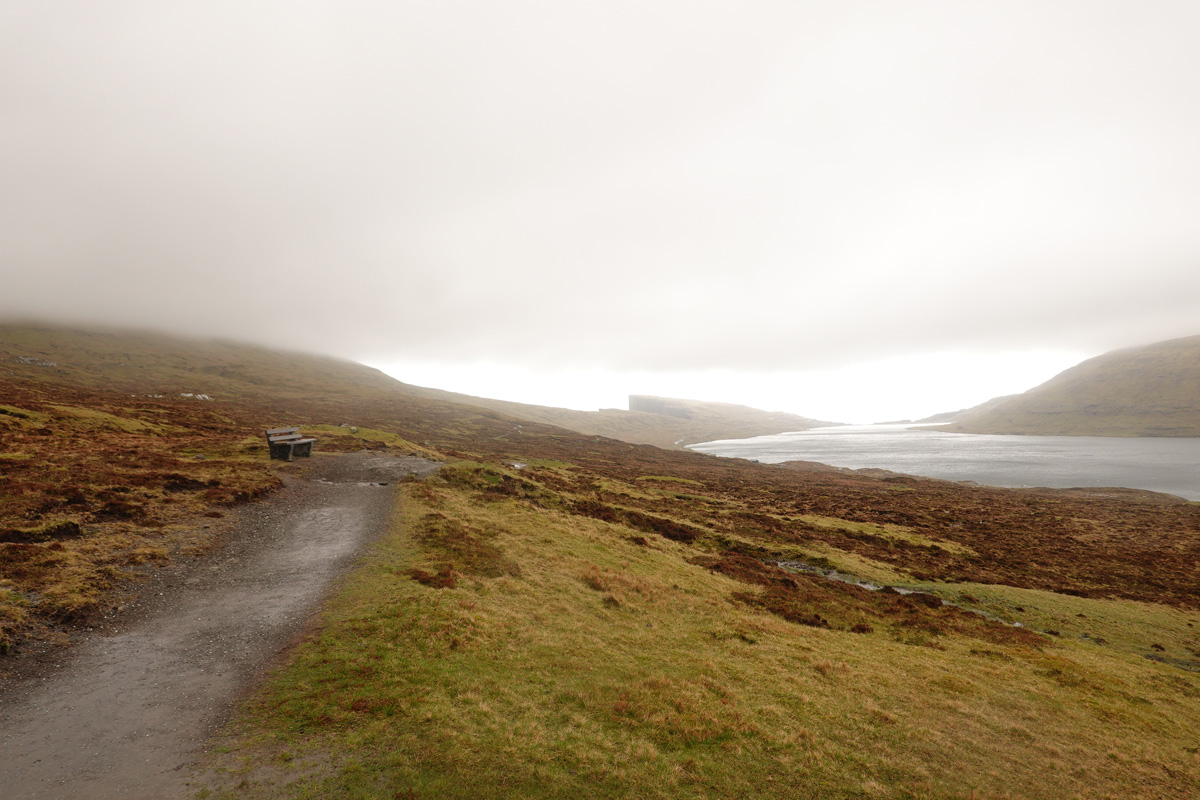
{"points": [[465, 547], [90, 419], [22, 417], [344, 437], [605, 668], [893, 534], [669, 479]]}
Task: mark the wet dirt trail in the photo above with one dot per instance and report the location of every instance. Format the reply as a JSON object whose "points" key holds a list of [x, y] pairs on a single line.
{"points": [[130, 705]]}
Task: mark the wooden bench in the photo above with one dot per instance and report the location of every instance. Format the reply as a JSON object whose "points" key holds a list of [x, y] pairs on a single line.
{"points": [[287, 442]]}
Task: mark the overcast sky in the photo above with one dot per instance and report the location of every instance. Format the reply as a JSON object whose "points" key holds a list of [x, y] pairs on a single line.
{"points": [[850, 210]]}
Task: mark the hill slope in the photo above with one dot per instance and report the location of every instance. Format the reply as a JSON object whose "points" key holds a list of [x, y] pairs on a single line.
{"points": [[560, 615], [664, 422], [727, 420], [1138, 391], [152, 364]]}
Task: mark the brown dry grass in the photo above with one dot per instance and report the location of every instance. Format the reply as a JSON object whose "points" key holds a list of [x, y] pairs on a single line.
{"points": [[96, 486]]}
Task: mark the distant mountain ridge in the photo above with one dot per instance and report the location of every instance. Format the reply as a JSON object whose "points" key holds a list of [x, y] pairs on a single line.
{"points": [[729, 420], [1152, 390], [660, 421]]}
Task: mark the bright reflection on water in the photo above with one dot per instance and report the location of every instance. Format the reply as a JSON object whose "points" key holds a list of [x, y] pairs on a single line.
{"points": [[1161, 465]]}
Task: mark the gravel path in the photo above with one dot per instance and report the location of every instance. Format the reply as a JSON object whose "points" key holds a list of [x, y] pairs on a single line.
{"points": [[132, 703]]}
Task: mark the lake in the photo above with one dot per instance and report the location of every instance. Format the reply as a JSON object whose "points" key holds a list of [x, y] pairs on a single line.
{"points": [[1158, 464]]}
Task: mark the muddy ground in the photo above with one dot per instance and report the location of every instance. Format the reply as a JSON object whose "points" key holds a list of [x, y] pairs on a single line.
{"points": [[125, 709]]}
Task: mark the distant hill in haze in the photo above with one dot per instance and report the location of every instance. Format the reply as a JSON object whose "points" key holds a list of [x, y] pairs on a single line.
{"points": [[660, 421], [725, 420], [953, 416], [1138, 391]]}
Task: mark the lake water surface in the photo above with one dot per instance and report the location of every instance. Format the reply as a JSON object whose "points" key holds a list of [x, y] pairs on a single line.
{"points": [[1161, 465]]}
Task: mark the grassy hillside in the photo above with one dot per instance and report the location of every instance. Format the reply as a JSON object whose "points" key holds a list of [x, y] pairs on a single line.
{"points": [[121, 450], [574, 630], [560, 615], [1140, 391], [150, 364], [723, 420]]}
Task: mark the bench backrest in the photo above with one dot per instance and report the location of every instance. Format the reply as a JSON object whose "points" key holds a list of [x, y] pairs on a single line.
{"points": [[282, 434]]}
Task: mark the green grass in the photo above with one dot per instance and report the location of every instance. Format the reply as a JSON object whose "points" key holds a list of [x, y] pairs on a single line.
{"points": [[22, 416], [821, 554], [893, 533], [340, 437], [1114, 626], [90, 419], [669, 479], [604, 667], [550, 463]]}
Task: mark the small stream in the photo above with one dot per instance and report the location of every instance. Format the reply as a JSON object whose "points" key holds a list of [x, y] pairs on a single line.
{"points": [[854, 580]]}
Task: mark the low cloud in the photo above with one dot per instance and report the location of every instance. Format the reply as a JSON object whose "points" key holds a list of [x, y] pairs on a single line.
{"points": [[624, 186]]}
